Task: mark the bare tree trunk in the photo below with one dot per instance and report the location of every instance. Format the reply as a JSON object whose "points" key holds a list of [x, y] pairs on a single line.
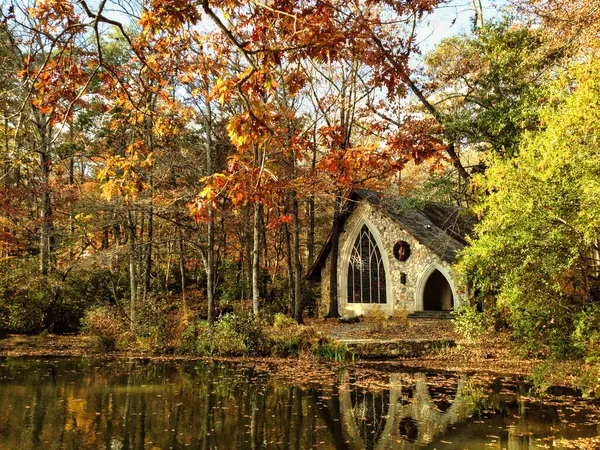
{"points": [[310, 233], [210, 245], [140, 257], [290, 266], [298, 307], [168, 265], [248, 236], [45, 210], [150, 237], [150, 213], [478, 11], [116, 241], [310, 238], [256, 259], [132, 270], [210, 268], [335, 244], [182, 273], [72, 213]]}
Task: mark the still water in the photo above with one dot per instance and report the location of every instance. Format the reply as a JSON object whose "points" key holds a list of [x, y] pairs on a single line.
{"points": [[82, 403]]}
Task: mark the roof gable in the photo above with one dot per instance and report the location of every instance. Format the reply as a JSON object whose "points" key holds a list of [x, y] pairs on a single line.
{"points": [[441, 228]]}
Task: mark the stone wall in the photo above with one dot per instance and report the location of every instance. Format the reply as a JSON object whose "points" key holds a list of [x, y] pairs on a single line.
{"points": [[421, 263]]}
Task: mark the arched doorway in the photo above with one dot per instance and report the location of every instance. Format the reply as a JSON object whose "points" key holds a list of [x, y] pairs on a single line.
{"points": [[437, 294]]}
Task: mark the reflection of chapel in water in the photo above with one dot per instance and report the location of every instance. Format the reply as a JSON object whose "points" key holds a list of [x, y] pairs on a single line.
{"points": [[415, 417], [394, 253], [400, 417]]}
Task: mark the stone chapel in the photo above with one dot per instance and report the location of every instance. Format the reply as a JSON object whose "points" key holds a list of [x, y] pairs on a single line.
{"points": [[394, 253]]}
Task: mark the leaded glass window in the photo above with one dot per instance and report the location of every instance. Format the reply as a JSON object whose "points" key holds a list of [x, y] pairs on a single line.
{"points": [[366, 274]]}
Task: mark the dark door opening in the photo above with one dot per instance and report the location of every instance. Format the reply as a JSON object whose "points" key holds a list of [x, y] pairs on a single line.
{"points": [[437, 295]]}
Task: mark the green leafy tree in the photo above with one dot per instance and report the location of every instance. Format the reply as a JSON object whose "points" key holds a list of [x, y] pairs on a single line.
{"points": [[489, 83], [537, 246]]}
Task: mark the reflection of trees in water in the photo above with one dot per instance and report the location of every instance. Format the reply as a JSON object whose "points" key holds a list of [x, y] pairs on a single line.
{"points": [[128, 405], [369, 414], [121, 405]]}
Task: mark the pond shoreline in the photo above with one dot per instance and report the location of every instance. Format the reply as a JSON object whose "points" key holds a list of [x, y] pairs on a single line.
{"points": [[453, 360]]}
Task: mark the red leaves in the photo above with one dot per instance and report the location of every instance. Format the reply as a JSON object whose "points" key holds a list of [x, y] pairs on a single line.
{"points": [[54, 14], [169, 15], [416, 140], [331, 136], [279, 220], [359, 166]]}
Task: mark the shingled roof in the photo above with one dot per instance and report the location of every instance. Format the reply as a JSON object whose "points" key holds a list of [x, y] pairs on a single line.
{"points": [[441, 228]]}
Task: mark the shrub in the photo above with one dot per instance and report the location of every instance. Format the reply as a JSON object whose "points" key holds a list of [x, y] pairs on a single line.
{"points": [[294, 341], [332, 351], [4, 316], [474, 397], [26, 319], [376, 317], [157, 324], [586, 336], [400, 316], [239, 334], [471, 323], [105, 326], [196, 339], [85, 287], [587, 380], [542, 378], [281, 321]]}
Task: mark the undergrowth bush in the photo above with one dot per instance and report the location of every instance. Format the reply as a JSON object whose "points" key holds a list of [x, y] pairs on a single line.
{"points": [[294, 340], [195, 339], [474, 397], [25, 318], [241, 334], [332, 351], [281, 321], [237, 334], [472, 324], [376, 317], [158, 325], [105, 326], [400, 316], [586, 336], [4, 315]]}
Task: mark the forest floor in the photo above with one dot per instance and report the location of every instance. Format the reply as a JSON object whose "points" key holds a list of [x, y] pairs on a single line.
{"points": [[494, 354]]}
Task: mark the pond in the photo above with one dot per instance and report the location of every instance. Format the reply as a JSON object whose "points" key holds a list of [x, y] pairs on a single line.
{"points": [[84, 403]]}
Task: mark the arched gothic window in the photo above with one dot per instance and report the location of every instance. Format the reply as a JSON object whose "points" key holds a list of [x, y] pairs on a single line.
{"points": [[366, 274]]}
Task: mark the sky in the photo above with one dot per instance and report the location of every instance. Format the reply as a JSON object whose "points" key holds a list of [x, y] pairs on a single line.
{"points": [[453, 18]]}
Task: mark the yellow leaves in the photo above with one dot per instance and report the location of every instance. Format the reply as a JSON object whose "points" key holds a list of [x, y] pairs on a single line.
{"points": [[83, 217], [270, 83], [206, 192], [123, 176], [222, 89], [187, 78]]}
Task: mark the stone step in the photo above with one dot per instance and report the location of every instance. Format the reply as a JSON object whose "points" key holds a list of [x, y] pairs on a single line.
{"points": [[383, 349], [431, 315]]}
